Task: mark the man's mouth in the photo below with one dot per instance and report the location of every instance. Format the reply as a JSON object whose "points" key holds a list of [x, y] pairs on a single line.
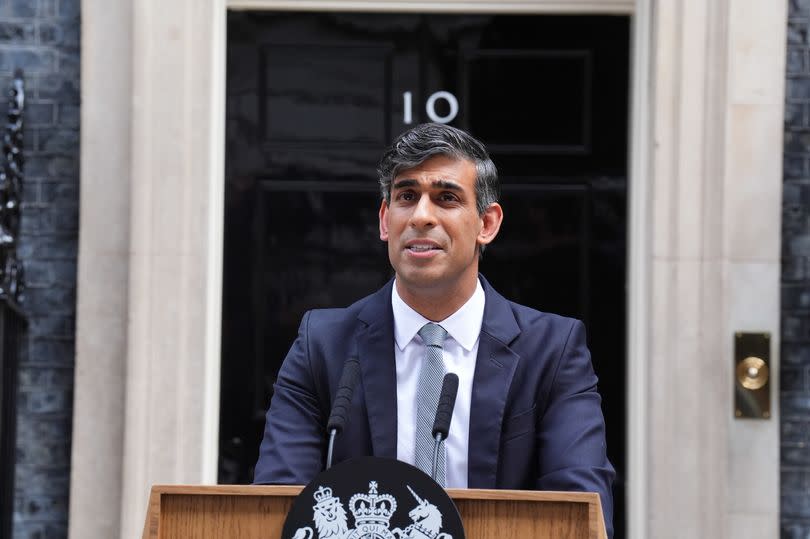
{"points": [[421, 248]]}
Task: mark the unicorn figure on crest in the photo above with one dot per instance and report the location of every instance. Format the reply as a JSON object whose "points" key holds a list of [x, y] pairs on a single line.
{"points": [[427, 521]]}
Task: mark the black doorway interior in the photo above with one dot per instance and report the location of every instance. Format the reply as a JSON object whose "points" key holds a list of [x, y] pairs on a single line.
{"points": [[313, 99]]}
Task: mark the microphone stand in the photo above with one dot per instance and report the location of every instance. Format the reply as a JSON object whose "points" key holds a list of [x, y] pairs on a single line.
{"points": [[332, 435], [437, 443]]}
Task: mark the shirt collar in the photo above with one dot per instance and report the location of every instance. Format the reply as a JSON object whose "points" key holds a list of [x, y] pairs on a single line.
{"points": [[464, 325]]}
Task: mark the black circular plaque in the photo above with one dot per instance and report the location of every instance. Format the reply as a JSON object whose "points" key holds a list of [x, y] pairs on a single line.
{"points": [[373, 498]]}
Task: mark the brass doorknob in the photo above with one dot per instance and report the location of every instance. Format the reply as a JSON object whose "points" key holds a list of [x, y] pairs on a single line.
{"points": [[752, 372]]}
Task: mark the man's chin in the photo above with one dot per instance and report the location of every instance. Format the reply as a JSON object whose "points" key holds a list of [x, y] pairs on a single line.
{"points": [[423, 279]]}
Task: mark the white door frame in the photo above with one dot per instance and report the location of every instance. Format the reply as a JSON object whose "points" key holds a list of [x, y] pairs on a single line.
{"points": [[640, 148]]}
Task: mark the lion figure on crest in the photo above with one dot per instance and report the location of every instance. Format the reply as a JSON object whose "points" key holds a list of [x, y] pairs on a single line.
{"points": [[329, 516]]}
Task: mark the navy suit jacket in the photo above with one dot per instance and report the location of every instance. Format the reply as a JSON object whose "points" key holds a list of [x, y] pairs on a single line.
{"points": [[535, 417]]}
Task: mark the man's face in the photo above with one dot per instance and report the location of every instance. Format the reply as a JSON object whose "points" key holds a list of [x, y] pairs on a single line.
{"points": [[432, 225]]}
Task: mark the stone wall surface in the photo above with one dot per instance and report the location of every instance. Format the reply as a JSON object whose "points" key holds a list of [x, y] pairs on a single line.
{"points": [[41, 37], [795, 373]]}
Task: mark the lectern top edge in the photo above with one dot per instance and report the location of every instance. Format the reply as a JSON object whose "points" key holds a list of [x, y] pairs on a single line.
{"points": [[230, 490], [455, 493]]}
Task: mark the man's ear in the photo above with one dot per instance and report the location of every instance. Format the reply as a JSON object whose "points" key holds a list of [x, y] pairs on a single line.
{"points": [[384, 221], [491, 221]]}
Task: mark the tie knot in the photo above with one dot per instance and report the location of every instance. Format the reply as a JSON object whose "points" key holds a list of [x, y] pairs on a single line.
{"points": [[433, 334]]}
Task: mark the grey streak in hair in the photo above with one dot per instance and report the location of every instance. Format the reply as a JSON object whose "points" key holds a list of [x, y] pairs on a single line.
{"points": [[417, 145]]}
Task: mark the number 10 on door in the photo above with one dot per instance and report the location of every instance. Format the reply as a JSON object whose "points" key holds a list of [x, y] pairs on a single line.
{"points": [[430, 107]]}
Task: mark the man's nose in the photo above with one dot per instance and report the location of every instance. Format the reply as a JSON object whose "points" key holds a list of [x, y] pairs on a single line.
{"points": [[423, 213]]}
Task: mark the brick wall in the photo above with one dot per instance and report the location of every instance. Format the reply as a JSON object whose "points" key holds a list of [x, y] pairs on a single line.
{"points": [[795, 371], [42, 38]]}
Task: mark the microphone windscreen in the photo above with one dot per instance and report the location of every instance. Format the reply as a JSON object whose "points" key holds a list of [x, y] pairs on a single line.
{"points": [[343, 396], [447, 401]]}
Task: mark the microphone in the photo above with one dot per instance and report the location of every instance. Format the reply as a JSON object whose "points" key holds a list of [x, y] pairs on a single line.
{"points": [[343, 399], [444, 413]]}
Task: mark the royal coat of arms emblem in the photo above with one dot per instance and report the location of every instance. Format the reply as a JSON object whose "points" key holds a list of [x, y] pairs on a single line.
{"points": [[372, 513], [373, 498]]}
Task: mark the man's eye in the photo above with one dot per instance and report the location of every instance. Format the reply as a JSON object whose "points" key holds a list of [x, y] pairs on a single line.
{"points": [[448, 197], [407, 195]]}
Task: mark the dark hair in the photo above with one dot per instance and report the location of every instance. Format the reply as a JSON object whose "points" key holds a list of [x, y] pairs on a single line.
{"points": [[417, 145]]}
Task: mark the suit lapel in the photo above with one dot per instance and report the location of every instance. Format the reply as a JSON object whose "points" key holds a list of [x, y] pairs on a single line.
{"points": [[375, 349], [494, 369]]}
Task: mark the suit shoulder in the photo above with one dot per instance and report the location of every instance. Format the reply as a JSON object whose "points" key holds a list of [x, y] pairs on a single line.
{"points": [[528, 317], [337, 315]]}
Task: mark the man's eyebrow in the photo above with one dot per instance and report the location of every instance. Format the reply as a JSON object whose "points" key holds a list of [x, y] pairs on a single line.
{"points": [[447, 184], [404, 183], [441, 184]]}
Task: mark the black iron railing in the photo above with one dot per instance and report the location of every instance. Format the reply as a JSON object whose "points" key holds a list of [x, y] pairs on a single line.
{"points": [[11, 179], [12, 320]]}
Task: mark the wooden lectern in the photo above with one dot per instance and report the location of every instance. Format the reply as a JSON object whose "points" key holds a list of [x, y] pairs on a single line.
{"points": [[258, 512]]}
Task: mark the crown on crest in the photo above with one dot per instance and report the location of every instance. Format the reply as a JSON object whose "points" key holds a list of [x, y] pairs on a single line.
{"points": [[372, 508], [322, 494]]}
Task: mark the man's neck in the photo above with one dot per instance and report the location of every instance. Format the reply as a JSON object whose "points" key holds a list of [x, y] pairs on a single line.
{"points": [[437, 304]]}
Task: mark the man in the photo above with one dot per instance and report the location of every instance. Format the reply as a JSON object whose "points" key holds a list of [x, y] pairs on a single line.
{"points": [[527, 415]]}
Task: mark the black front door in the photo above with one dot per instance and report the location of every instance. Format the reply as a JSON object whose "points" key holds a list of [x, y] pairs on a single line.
{"points": [[314, 98]]}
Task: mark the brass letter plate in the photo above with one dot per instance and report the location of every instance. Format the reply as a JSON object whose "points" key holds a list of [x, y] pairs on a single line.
{"points": [[752, 381]]}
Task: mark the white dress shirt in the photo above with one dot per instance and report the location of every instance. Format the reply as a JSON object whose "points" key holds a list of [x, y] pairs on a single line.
{"points": [[459, 355]]}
